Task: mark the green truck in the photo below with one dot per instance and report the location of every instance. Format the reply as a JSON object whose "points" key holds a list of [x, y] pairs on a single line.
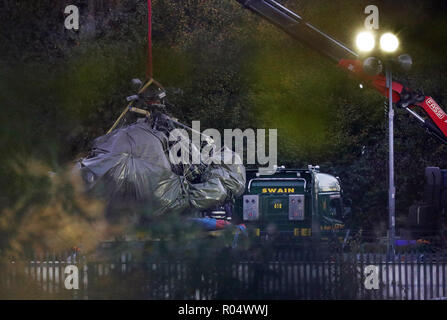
{"points": [[293, 204]]}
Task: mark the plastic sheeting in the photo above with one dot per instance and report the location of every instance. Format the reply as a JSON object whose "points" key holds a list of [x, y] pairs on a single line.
{"points": [[131, 165]]}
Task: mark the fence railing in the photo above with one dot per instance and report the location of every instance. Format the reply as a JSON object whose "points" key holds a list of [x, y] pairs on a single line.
{"points": [[303, 275]]}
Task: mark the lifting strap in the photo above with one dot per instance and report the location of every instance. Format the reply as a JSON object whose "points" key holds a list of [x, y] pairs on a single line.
{"points": [[129, 106], [149, 72]]}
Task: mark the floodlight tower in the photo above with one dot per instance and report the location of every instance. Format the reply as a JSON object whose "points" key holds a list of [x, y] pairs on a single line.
{"points": [[389, 44]]}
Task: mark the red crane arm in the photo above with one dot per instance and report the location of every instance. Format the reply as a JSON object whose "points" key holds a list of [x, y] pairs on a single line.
{"points": [[437, 116]]}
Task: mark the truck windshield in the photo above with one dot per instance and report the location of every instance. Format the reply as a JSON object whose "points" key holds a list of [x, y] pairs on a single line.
{"points": [[336, 209]]}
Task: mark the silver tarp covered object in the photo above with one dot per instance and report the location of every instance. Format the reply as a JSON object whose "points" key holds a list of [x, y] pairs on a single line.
{"points": [[131, 165]]}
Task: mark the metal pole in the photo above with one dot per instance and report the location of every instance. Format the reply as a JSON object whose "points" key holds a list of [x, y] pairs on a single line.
{"points": [[392, 188]]}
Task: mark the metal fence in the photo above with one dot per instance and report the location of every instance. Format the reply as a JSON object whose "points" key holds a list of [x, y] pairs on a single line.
{"points": [[277, 275]]}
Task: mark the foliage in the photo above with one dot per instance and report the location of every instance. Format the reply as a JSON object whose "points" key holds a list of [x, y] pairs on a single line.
{"points": [[225, 67]]}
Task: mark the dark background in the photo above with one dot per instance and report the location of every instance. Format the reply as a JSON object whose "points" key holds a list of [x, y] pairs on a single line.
{"points": [[59, 89]]}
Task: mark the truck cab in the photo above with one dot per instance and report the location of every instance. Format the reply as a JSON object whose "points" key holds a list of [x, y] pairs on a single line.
{"points": [[299, 204]]}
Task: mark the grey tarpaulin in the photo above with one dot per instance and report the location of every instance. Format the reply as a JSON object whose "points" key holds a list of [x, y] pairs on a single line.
{"points": [[131, 165], [232, 175]]}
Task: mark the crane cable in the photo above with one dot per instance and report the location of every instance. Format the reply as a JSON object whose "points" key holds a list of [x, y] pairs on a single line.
{"points": [[149, 79], [149, 41]]}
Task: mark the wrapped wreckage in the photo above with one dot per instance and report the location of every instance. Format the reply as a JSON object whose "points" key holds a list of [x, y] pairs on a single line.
{"points": [[131, 166]]}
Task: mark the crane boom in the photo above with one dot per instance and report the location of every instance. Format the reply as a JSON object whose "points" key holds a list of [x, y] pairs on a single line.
{"points": [[295, 26], [348, 59]]}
